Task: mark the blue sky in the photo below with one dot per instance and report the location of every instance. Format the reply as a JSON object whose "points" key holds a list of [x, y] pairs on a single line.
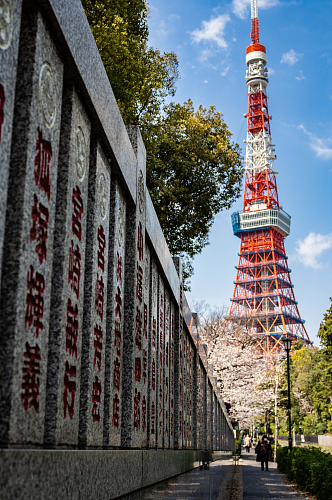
{"points": [[210, 40]]}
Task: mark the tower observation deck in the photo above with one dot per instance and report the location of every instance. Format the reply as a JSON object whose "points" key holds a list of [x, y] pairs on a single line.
{"points": [[263, 301]]}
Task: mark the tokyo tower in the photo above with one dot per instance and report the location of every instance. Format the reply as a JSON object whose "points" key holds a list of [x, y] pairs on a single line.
{"points": [[263, 300]]}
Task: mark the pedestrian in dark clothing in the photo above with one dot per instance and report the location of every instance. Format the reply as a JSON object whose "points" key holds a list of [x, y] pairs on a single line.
{"points": [[263, 452]]}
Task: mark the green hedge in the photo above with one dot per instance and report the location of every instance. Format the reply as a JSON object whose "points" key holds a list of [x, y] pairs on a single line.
{"points": [[238, 447], [309, 468]]}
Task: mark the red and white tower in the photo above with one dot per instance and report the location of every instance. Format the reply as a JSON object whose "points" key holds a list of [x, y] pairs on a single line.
{"points": [[263, 300]]}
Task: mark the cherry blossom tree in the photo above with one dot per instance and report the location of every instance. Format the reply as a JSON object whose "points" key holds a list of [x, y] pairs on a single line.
{"points": [[245, 376]]}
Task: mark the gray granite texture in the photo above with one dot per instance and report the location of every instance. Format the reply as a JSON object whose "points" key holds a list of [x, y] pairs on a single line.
{"points": [[10, 19], [83, 475], [28, 248]]}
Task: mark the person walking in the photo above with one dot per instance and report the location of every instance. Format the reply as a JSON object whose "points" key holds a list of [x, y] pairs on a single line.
{"points": [[247, 443], [263, 452]]}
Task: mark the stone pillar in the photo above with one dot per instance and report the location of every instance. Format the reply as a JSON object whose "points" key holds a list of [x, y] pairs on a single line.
{"points": [[200, 405], [167, 371], [115, 318], [29, 230], [153, 369], [172, 378], [68, 279], [134, 386], [10, 19], [178, 363], [209, 414], [205, 410], [95, 302]]}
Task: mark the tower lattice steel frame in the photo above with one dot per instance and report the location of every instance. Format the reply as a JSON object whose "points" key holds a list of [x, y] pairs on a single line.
{"points": [[263, 300]]}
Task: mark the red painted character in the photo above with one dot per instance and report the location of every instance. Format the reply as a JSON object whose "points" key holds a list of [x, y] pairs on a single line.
{"points": [[74, 269], [154, 332], [98, 346], [153, 416], [31, 370], [153, 375], [99, 297], [139, 284], [138, 329], [38, 231], [70, 390], [72, 329], [42, 164], [118, 268], [117, 338], [145, 326], [34, 301], [116, 375], [145, 365], [77, 201], [118, 301], [96, 393], [101, 248], [138, 369], [143, 414]]}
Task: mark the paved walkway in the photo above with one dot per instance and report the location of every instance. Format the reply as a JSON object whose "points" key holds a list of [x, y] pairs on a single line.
{"points": [[224, 481]]}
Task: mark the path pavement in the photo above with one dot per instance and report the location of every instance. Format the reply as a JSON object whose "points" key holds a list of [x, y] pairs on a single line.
{"points": [[224, 481]]}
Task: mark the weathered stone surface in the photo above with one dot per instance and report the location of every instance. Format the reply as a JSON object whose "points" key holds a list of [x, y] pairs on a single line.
{"points": [[153, 368], [28, 252], [95, 302], [115, 319], [63, 386], [171, 377], [10, 19]]}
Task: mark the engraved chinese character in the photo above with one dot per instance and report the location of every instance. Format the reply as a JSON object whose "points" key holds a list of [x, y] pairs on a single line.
{"points": [[145, 365], [118, 301], [137, 369], [99, 296], [70, 390], [101, 248], [96, 392], [166, 423], [143, 414], [137, 411], [72, 329], [98, 346], [166, 355], [117, 338], [154, 332], [138, 329], [42, 164], [172, 424], [116, 375], [118, 268], [166, 384], [139, 284], [116, 412], [30, 385], [38, 231], [145, 326], [140, 241], [153, 416], [34, 301], [77, 201], [74, 269], [153, 375]]}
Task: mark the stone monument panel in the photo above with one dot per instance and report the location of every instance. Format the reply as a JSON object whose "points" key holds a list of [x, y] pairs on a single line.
{"points": [[167, 324], [209, 414], [73, 230], [28, 247], [161, 362], [100, 221], [115, 323], [10, 22], [171, 376], [200, 407], [153, 388]]}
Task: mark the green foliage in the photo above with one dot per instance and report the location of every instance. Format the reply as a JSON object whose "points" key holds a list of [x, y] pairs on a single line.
{"points": [[311, 391], [309, 468], [193, 169], [193, 172]]}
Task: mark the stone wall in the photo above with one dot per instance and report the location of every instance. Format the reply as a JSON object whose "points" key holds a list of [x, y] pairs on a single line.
{"points": [[96, 350]]}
